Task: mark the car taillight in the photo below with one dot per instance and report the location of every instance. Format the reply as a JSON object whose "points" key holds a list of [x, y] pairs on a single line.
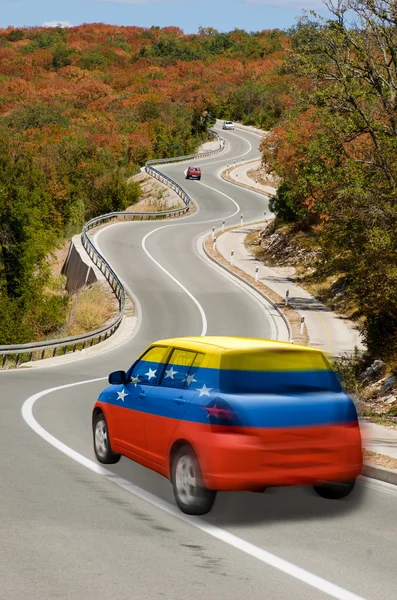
{"points": [[222, 418]]}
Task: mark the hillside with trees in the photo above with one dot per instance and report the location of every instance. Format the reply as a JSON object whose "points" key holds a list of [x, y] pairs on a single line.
{"points": [[82, 109], [336, 151]]}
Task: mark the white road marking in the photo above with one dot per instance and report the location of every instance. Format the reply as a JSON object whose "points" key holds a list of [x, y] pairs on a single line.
{"points": [[175, 280], [265, 557], [193, 298], [196, 302], [273, 317]]}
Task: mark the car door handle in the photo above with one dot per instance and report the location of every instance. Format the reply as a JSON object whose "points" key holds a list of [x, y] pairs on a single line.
{"points": [[142, 395], [180, 400]]}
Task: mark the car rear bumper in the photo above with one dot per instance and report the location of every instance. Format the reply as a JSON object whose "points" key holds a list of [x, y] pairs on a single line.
{"points": [[247, 462]]}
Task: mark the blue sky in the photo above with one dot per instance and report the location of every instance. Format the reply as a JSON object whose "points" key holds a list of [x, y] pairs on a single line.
{"points": [[224, 15]]}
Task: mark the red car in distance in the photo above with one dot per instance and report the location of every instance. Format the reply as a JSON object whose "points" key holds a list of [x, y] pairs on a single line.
{"points": [[193, 173]]}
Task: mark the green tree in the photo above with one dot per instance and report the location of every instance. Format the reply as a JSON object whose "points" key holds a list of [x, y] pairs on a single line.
{"points": [[349, 73]]}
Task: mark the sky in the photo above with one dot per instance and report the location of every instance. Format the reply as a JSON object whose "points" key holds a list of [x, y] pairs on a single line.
{"points": [[223, 15]]}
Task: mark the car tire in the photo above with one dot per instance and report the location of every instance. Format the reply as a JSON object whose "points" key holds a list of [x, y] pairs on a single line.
{"points": [[335, 490], [102, 446], [199, 178], [192, 497]]}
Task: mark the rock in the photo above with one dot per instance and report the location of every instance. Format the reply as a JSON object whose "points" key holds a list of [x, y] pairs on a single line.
{"points": [[390, 400], [389, 384], [376, 367]]}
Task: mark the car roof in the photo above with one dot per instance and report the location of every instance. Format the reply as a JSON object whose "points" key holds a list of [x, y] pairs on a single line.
{"points": [[195, 168], [233, 343]]}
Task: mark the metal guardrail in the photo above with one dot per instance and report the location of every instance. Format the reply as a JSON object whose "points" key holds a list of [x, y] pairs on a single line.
{"points": [[20, 353]]}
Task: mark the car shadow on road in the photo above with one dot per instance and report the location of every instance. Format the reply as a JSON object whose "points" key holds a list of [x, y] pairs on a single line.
{"points": [[281, 505], [246, 508]]}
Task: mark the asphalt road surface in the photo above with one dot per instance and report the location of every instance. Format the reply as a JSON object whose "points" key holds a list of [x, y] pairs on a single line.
{"points": [[71, 529]]}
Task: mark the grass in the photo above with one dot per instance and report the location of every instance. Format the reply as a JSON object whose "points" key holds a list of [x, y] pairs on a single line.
{"points": [[90, 308], [155, 197]]}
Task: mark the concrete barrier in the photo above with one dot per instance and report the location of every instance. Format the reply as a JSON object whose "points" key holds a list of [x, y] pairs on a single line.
{"points": [[78, 268]]}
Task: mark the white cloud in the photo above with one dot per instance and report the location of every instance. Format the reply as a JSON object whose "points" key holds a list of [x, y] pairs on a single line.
{"points": [[57, 24], [300, 4]]}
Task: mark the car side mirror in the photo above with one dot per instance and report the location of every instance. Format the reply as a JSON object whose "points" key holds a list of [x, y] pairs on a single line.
{"points": [[117, 378]]}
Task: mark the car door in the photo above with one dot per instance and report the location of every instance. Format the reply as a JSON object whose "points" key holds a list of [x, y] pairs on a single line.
{"points": [[141, 378], [169, 401]]}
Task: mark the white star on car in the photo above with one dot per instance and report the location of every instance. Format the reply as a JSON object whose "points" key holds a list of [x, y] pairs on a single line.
{"points": [[170, 373], [190, 379], [121, 395], [204, 391], [151, 373]]}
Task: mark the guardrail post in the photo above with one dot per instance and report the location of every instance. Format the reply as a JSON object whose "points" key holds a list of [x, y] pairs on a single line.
{"points": [[54, 352], [302, 325], [287, 298], [242, 220], [213, 233], [214, 246], [3, 362], [256, 273], [223, 225], [232, 258]]}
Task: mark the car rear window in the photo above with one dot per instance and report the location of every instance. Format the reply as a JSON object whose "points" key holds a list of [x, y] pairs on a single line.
{"points": [[277, 372]]}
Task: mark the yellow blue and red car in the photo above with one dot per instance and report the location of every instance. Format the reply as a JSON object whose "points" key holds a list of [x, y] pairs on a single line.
{"points": [[229, 413]]}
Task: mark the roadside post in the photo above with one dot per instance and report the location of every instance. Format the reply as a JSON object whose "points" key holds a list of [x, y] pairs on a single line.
{"points": [[302, 325]]}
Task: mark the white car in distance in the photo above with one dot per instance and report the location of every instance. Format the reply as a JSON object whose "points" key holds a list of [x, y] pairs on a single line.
{"points": [[228, 125]]}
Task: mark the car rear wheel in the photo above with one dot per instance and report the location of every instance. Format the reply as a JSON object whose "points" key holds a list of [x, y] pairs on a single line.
{"points": [[335, 490], [102, 447], [192, 497]]}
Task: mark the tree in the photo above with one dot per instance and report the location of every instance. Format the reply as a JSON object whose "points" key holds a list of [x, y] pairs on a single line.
{"points": [[348, 72]]}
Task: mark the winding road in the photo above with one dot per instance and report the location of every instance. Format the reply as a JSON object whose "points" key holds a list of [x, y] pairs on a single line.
{"points": [[72, 530]]}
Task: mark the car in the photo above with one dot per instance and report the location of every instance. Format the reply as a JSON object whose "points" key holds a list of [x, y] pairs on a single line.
{"points": [[193, 173], [228, 413], [228, 125]]}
